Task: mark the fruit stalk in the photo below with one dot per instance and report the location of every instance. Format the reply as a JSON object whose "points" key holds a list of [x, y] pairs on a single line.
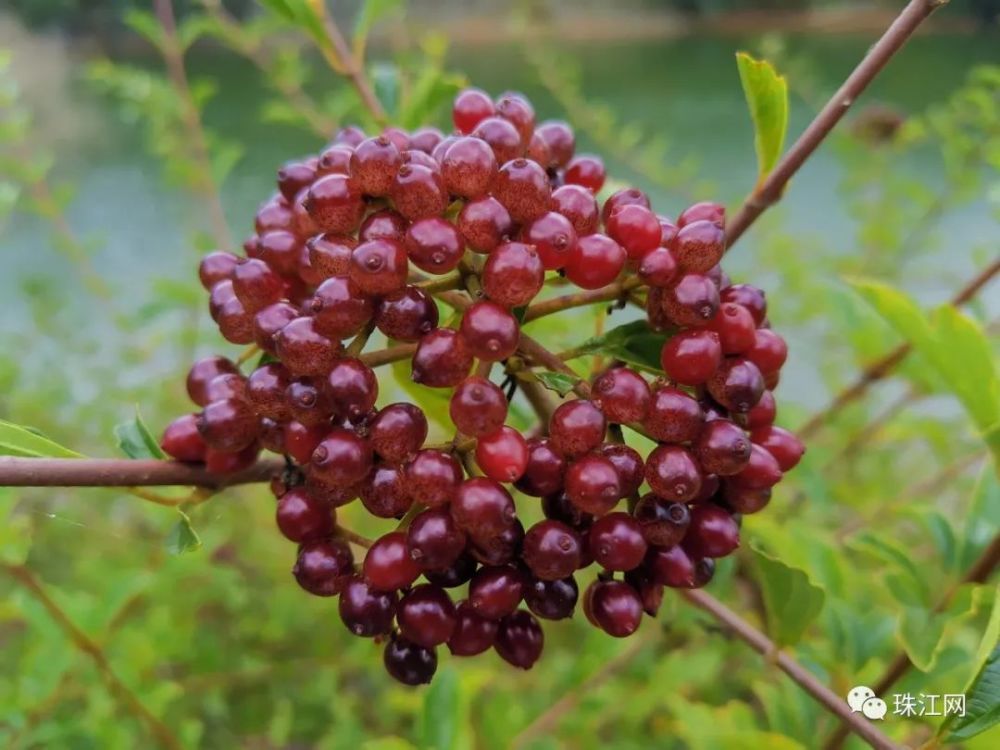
{"points": [[16, 471], [770, 190]]}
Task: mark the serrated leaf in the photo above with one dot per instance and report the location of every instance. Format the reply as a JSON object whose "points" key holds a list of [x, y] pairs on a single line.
{"points": [[982, 702], [791, 600], [439, 719], [767, 98], [560, 382], [18, 440], [135, 440], [634, 343], [182, 537], [953, 344]]}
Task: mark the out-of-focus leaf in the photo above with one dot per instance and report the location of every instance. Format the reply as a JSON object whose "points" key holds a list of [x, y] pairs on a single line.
{"points": [[182, 537], [385, 81], [633, 343], [767, 97], [438, 721], [982, 709], [791, 600], [371, 12], [145, 24], [953, 344], [135, 440], [18, 440], [560, 382], [15, 530], [301, 14]]}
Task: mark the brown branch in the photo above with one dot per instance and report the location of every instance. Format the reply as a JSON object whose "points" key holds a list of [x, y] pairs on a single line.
{"points": [[881, 367], [979, 572], [253, 50], [173, 55], [770, 190], [125, 472], [91, 648], [580, 299], [389, 355], [353, 68], [805, 679], [548, 719]]}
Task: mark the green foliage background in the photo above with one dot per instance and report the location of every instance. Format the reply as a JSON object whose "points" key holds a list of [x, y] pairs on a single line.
{"points": [[196, 613]]}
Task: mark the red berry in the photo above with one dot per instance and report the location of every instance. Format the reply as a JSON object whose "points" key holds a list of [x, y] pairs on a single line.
{"points": [[384, 494], [558, 137], [752, 298], [495, 592], [478, 407], [593, 484], [502, 455], [469, 167], [406, 315], [432, 477], [692, 301], [215, 267], [490, 331], [182, 441], [629, 197], [614, 607], [737, 385], [484, 224], [374, 164], [691, 357], [518, 111], [658, 267], [435, 543], [673, 473], [577, 427], [579, 206], [698, 246], [409, 663], [723, 448], [426, 615], [442, 359], [324, 567], [473, 633], [544, 472], [383, 225], [482, 507], [623, 395], [501, 136], [712, 533], [595, 261], [397, 431], [763, 413], [342, 457], [418, 192], [301, 517], [628, 463], [761, 473], [735, 326], [673, 416], [768, 351], [523, 188], [552, 600], [586, 170], [364, 611], [553, 236], [519, 640], [713, 212], [335, 204], [471, 107], [780, 443], [635, 228], [388, 565], [663, 523], [551, 550], [513, 274], [616, 542], [379, 267]]}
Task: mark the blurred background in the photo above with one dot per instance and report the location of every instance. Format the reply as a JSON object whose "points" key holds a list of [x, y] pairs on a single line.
{"points": [[106, 205]]}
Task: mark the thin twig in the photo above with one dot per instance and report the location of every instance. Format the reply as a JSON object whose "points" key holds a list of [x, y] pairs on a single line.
{"points": [[979, 572], [770, 190], [87, 645], [580, 299], [549, 718], [353, 68], [16, 471], [805, 679], [881, 367], [173, 55]]}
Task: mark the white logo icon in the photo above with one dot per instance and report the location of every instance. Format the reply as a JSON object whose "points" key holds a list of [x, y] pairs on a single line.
{"points": [[874, 708], [857, 697], [863, 699]]}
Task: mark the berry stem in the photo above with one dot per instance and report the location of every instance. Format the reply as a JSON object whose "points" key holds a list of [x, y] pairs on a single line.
{"points": [[802, 677], [442, 284], [581, 299], [884, 365], [357, 345], [247, 354], [389, 354], [769, 192], [353, 537], [24, 576]]}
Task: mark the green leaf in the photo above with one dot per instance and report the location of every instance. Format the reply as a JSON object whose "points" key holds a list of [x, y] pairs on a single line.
{"points": [[145, 24], [767, 97], [385, 81], [634, 343], [954, 345], [560, 382], [791, 600], [15, 530], [919, 632], [438, 721], [18, 440], [301, 14], [136, 441], [182, 537], [982, 703], [371, 12]]}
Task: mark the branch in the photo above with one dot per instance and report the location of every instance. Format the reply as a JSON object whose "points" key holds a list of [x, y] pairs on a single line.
{"points": [[805, 679], [124, 472], [580, 299], [769, 192], [881, 367], [353, 68], [979, 572], [91, 648]]}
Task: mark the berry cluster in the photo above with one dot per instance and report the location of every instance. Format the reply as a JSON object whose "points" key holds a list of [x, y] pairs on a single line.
{"points": [[338, 252]]}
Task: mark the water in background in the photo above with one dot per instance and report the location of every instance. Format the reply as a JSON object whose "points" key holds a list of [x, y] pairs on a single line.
{"points": [[688, 89]]}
